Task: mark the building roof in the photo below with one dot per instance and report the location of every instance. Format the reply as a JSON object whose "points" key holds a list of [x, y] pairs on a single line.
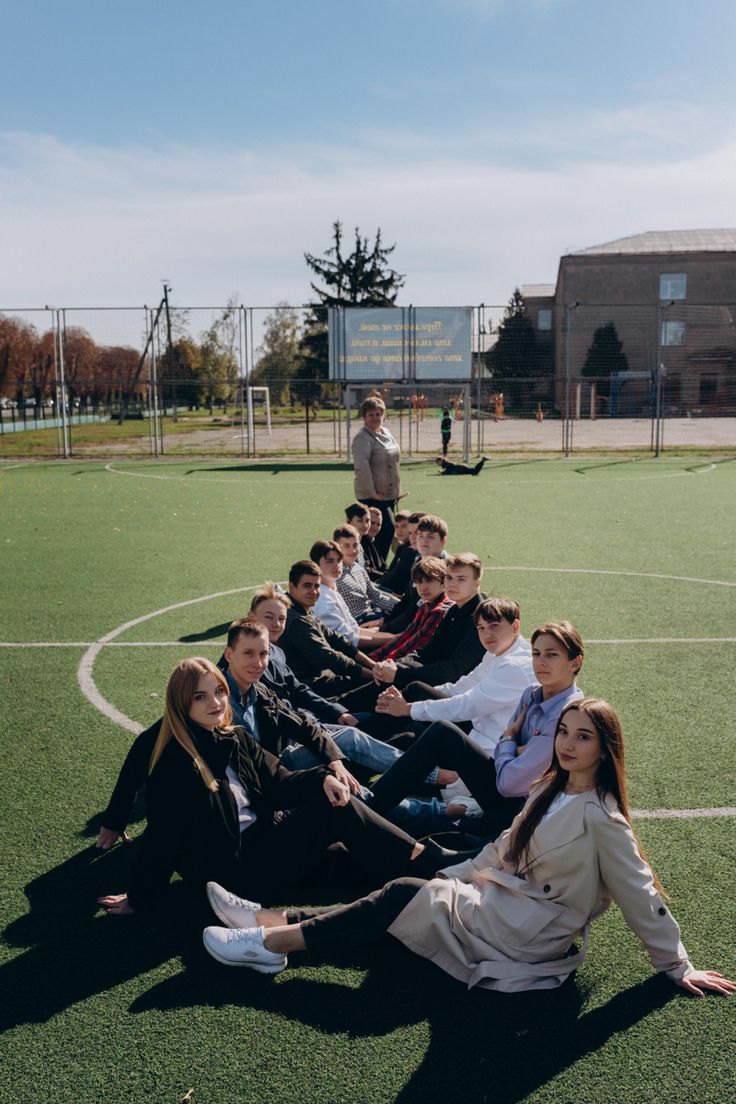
{"points": [[538, 291], [667, 241]]}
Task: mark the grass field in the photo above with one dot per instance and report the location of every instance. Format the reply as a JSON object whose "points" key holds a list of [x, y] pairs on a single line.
{"points": [[638, 554]]}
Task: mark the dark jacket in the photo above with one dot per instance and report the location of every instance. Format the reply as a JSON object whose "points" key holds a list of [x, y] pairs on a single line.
{"points": [[195, 831], [454, 650], [375, 564], [280, 678], [311, 647], [398, 577], [278, 726]]}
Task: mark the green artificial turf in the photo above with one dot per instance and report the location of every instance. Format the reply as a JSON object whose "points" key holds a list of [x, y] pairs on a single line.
{"points": [[109, 1010]]}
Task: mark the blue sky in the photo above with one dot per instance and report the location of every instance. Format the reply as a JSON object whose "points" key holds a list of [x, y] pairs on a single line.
{"points": [[215, 144]]}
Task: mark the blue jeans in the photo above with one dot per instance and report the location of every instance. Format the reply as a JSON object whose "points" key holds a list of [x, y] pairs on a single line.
{"points": [[355, 745], [420, 817]]}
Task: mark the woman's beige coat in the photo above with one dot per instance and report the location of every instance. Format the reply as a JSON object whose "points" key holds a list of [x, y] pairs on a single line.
{"points": [[486, 925], [376, 461]]}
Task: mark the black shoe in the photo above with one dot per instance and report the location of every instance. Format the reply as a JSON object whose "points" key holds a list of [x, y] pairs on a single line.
{"points": [[478, 467], [434, 858]]}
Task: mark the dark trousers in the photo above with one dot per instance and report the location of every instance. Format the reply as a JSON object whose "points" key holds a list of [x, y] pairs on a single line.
{"points": [[363, 921], [386, 534], [295, 847], [443, 745], [385, 727]]}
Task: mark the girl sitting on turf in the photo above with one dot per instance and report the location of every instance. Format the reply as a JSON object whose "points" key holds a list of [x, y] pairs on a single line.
{"points": [[507, 918], [214, 801]]}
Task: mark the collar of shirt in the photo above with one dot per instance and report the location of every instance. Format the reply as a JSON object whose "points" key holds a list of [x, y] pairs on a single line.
{"points": [[241, 703]]}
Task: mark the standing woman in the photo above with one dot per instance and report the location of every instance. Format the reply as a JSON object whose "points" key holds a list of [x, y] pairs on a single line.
{"points": [[376, 457], [507, 919]]}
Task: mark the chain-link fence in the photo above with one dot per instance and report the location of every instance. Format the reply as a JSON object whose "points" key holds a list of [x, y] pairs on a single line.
{"points": [[244, 382]]}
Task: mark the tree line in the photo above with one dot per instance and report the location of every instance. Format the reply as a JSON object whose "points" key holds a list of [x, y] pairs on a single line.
{"points": [[292, 351]]}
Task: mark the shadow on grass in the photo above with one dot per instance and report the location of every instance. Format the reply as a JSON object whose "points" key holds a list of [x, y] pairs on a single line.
{"points": [[267, 468], [483, 1045], [206, 634]]}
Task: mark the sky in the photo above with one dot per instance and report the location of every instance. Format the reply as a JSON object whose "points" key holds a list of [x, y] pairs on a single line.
{"points": [[212, 145]]}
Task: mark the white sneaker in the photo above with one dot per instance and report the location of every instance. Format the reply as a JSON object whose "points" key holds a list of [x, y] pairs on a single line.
{"points": [[235, 912], [242, 947]]}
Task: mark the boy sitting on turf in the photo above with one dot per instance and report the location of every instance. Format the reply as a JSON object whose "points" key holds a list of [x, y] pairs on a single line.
{"points": [[428, 578], [522, 752], [374, 564], [363, 598], [358, 515], [331, 608], [430, 537], [324, 659], [398, 576]]}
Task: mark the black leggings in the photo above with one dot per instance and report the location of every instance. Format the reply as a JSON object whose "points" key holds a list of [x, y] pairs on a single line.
{"points": [[365, 920]]}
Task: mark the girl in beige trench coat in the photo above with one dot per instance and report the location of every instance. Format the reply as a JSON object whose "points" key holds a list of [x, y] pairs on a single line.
{"points": [[506, 919]]}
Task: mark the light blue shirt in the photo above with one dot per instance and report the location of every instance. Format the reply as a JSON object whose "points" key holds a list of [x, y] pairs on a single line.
{"points": [[243, 707], [515, 774]]}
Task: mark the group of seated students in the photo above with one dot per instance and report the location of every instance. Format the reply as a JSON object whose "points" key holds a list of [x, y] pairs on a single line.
{"points": [[370, 706]]}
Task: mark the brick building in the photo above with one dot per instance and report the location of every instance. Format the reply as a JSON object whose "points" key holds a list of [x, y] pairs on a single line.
{"points": [[671, 296]]}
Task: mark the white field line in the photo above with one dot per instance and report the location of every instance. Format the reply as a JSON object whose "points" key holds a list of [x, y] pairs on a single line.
{"points": [[628, 574], [84, 671]]}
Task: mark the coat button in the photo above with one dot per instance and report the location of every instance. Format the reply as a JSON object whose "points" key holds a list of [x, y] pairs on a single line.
{"points": [[547, 888], [662, 911]]}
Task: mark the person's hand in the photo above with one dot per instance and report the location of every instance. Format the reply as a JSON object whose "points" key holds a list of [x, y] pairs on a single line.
{"points": [[337, 792], [384, 672], [512, 731], [343, 775], [392, 701], [348, 719], [700, 982], [116, 904], [106, 837]]}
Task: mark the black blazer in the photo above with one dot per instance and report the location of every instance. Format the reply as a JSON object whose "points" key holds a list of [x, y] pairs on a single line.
{"points": [[195, 831]]}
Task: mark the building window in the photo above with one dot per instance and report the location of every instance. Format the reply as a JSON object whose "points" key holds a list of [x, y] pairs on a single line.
{"points": [[544, 320], [673, 285], [673, 333]]}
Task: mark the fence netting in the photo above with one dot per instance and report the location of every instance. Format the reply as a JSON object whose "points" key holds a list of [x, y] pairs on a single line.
{"points": [[242, 381]]}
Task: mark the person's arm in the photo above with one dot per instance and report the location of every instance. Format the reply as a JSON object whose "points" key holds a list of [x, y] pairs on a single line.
{"points": [[321, 647], [379, 598], [461, 658], [516, 772], [282, 788], [362, 448], [419, 632], [336, 615], [630, 882], [303, 697], [132, 778], [298, 728], [494, 695]]}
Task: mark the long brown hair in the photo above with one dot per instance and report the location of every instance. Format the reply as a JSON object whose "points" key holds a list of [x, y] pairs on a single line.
{"points": [[610, 779], [180, 691]]}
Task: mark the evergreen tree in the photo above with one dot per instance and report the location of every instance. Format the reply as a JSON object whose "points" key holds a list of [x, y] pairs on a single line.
{"points": [[517, 354], [360, 278], [605, 355]]}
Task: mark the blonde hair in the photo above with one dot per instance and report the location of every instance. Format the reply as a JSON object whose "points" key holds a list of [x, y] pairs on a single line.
{"points": [[180, 692]]}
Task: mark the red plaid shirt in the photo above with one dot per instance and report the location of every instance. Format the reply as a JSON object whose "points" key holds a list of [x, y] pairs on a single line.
{"points": [[419, 632]]}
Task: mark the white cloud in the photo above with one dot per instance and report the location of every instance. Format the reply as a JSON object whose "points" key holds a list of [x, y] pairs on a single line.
{"points": [[83, 224]]}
